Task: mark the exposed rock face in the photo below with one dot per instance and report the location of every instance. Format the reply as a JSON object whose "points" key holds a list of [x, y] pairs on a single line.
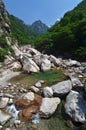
{"points": [[5, 29], [39, 28], [48, 107], [75, 106], [29, 65], [62, 88], [4, 20]]}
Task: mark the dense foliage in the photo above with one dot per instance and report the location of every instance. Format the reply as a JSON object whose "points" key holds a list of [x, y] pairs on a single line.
{"points": [[26, 34], [21, 31], [67, 37]]}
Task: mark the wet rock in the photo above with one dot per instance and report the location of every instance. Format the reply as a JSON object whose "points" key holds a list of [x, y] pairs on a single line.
{"points": [[17, 124], [42, 81], [38, 84], [75, 106], [10, 101], [11, 109], [49, 106], [34, 89], [4, 117], [3, 102], [28, 113], [47, 92], [62, 88], [28, 107]]}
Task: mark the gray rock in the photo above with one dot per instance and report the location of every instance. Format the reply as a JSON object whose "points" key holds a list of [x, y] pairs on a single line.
{"points": [[45, 63], [62, 88], [47, 92], [4, 117], [17, 123], [75, 106], [34, 89], [29, 96], [75, 81], [37, 59], [3, 102], [8, 95], [49, 106], [72, 63], [29, 65], [38, 84], [55, 61]]}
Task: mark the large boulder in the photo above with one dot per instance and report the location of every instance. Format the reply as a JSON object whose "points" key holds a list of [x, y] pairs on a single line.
{"points": [[47, 92], [62, 88], [37, 59], [29, 65], [75, 106], [45, 63], [49, 106], [76, 82], [55, 61]]}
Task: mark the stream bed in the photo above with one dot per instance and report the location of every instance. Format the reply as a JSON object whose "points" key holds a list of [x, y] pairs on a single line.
{"points": [[60, 120]]}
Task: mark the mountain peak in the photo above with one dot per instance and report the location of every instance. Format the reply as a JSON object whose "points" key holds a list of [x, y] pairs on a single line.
{"points": [[39, 27]]}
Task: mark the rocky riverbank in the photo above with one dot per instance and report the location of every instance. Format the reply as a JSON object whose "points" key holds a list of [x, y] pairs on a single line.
{"points": [[22, 105]]}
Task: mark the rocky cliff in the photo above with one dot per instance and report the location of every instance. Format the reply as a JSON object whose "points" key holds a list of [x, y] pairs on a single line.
{"points": [[6, 38]]}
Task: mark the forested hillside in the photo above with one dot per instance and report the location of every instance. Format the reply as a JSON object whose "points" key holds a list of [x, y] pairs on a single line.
{"points": [[21, 31], [68, 37], [26, 34]]}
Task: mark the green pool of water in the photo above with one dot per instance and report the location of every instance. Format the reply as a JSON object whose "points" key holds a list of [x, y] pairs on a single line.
{"points": [[50, 77]]}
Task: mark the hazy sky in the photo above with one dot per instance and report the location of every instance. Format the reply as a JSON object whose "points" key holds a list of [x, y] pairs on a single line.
{"points": [[46, 10]]}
